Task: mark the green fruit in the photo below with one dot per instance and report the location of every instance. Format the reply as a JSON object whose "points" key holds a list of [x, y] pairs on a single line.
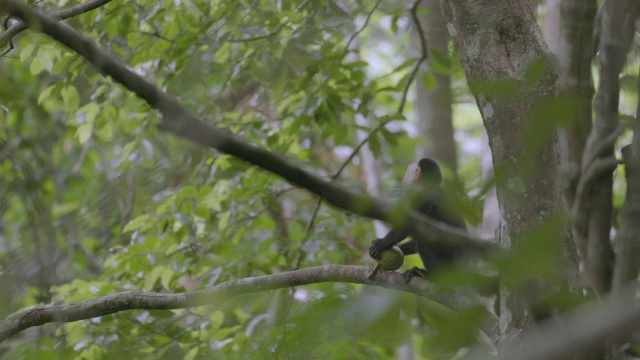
{"points": [[391, 259]]}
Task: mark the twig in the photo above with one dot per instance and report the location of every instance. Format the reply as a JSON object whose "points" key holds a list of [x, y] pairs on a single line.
{"points": [[155, 35], [18, 27], [600, 147], [366, 22], [597, 168]]}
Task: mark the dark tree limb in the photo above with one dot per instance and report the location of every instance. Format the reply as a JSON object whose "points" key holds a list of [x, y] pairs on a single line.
{"points": [[179, 121], [7, 36], [137, 300]]}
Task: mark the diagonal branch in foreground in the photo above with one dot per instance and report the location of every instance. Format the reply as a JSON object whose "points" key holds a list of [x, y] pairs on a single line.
{"points": [[179, 121], [137, 300]]}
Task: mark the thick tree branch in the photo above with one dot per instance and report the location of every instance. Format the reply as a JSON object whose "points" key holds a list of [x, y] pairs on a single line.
{"points": [[179, 121], [137, 300], [20, 26]]}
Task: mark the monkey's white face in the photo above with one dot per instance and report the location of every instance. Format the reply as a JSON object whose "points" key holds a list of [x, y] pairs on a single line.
{"points": [[412, 175]]}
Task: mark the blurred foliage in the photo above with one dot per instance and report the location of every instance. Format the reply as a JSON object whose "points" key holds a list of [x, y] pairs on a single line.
{"points": [[94, 200]]}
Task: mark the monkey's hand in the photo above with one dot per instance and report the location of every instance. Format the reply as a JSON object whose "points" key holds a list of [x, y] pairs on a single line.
{"points": [[377, 246]]}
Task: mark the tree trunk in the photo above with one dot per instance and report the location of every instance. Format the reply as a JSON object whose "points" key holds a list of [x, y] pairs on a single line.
{"points": [[434, 105], [551, 25], [500, 42]]}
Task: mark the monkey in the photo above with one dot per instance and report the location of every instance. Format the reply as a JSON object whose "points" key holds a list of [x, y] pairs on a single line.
{"points": [[427, 174]]}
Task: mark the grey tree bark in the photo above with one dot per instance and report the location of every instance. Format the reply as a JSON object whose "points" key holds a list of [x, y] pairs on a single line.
{"points": [[491, 210], [500, 42], [551, 24], [592, 197], [434, 106], [628, 246], [574, 85]]}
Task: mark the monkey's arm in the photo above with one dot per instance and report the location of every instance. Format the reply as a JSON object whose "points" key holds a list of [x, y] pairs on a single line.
{"points": [[393, 237], [409, 248]]}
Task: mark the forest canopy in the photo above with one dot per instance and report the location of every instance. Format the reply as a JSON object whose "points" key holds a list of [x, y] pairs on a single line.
{"points": [[186, 179]]}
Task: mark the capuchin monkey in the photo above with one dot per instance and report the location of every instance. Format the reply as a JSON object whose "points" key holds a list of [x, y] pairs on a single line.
{"points": [[426, 174]]}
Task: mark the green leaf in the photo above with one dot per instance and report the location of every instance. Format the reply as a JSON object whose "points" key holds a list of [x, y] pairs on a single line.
{"points": [[265, 222], [106, 131], [165, 277], [91, 111], [36, 66], [389, 137], [374, 145], [46, 58], [26, 52], [135, 223], [71, 98], [223, 220], [192, 353], [192, 8], [46, 94], [84, 132], [217, 319], [429, 81], [152, 277], [189, 191]]}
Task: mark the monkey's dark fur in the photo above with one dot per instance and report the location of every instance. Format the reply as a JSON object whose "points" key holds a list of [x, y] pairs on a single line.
{"points": [[427, 174]]}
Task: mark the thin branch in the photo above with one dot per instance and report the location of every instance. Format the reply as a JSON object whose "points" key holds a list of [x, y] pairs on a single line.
{"points": [[601, 147], [272, 33], [155, 35], [179, 121], [580, 207], [18, 27], [364, 26], [83, 153], [5, 27], [137, 300], [260, 37], [424, 54]]}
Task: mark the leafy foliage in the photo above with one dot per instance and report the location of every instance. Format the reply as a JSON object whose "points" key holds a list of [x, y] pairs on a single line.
{"points": [[94, 200]]}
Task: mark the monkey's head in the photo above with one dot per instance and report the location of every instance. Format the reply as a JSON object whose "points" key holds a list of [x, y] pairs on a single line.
{"points": [[423, 171]]}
